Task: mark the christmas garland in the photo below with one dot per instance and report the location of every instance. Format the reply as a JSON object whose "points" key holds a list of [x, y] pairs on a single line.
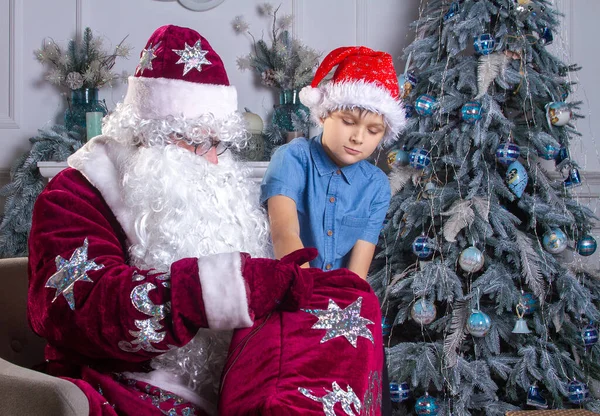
{"points": [[53, 144]]}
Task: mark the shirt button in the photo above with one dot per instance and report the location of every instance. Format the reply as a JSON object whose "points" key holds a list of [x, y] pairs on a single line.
{"points": [[332, 199], [338, 171], [329, 233], [329, 266]]}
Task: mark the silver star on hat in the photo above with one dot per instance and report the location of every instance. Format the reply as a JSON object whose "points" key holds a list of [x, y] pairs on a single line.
{"points": [[192, 57]]}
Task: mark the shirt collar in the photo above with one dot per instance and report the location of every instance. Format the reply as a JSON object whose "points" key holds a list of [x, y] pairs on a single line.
{"points": [[326, 166]]}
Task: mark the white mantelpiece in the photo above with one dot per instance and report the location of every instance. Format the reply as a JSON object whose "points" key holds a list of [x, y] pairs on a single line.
{"points": [[51, 169]]}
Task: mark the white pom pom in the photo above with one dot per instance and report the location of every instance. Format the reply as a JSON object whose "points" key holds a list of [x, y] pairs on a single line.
{"points": [[311, 97]]}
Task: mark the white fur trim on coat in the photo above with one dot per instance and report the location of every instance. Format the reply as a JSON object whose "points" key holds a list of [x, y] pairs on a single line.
{"points": [[357, 94], [158, 98], [99, 162], [224, 291]]}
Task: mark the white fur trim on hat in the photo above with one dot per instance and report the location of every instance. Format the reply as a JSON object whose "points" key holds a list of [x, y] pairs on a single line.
{"points": [[158, 98], [357, 94]]}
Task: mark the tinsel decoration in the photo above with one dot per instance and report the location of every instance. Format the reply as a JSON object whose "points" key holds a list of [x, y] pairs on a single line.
{"points": [[53, 144]]}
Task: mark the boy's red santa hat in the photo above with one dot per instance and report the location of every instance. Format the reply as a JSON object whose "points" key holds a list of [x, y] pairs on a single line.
{"points": [[364, 78], [180, 86]]}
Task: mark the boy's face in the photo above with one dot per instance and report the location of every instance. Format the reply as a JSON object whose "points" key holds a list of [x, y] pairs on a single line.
{"points": [[350, 136]]}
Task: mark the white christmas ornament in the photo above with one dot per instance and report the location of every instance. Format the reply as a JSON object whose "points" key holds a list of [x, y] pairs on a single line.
{"points": [[471, 260]]}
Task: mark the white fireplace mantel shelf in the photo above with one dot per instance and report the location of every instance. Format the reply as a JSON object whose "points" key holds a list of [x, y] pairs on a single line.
{"points": [[50, 169]]}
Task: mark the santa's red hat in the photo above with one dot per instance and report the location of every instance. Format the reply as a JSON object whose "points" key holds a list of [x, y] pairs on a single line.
{"points": [[364, 78], [180, 85]]}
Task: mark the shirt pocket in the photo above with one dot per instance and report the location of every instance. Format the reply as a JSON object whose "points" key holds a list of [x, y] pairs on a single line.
{"points": [[350, 231]]}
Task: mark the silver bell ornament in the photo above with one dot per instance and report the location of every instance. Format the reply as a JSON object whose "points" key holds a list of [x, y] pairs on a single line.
{"points": [[471, 259], [520, 326], [423, 311]]}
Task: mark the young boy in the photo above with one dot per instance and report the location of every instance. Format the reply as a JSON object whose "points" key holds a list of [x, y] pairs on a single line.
{"points": [[322, 192]]}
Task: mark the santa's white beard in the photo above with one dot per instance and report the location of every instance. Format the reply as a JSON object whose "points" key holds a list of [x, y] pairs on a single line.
{"points": [[185, 206]]}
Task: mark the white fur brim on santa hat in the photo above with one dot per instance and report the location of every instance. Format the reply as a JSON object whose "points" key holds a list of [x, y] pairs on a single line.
{"points": [[356, 94]]}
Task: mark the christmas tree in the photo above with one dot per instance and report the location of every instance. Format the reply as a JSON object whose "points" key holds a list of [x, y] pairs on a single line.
{"points": [[489, 305]]}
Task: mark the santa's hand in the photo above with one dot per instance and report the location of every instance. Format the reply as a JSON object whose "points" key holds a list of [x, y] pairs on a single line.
{"points": [[274, 283]]}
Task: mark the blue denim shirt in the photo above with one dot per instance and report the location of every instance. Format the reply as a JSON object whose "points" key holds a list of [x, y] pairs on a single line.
{"points": [[336, 206]]}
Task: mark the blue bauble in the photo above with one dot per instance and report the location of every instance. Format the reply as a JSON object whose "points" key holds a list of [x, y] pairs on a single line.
{"points": [[423, 247], [471, 260], [386, 326], [516, 177], [399, 392], [397, 157], [479, 323], [423, 311], [578, 392], [561, 157], [427, 405], [530, 303], [550, 152], [554, 241], [586, 245], [471, 112], [425, 105], [410, 110], [453, 10], [507, 153], [484, 44], [419, 158], [589, 335]]}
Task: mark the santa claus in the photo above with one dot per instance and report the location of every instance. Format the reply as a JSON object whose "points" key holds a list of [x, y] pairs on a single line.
{"points": [[136, 275]]}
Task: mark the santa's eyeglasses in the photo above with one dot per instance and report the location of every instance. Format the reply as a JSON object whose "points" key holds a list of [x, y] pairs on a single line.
{"points": [[203, 148]]}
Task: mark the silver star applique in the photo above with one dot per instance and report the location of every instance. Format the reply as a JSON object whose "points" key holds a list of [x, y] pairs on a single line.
{"points": [[70, 272], [148, 55], [192, 57], [346, 398], [342, 322]]}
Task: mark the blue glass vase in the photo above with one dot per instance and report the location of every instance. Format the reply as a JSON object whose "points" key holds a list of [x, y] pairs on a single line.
{"points": [[83, 100], [290, 109]]}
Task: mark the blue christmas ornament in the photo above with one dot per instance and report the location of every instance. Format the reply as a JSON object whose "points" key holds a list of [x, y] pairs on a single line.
{"points": [[419, 158], [507, 153], [562, 158], [427, 405], [484, 44], [546, 37], [530, 303], [534, 398], [516, 177], [574, 179], [406, 82], [410, 110], [423, 247], [399, 392], [452, 11], [426, 105], [471, 112], [589, 335], [554, 241], [550, 152], [423, 311], [397, 157], [586, 245], [479, 323], [386, 326], [578, 392]]}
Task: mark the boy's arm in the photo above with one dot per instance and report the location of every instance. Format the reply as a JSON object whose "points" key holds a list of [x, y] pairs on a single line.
{"points": [[360, 258], [285, 227]]}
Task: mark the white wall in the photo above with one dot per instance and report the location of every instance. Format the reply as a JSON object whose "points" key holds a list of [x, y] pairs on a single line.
{"points": [[27, 102]]}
